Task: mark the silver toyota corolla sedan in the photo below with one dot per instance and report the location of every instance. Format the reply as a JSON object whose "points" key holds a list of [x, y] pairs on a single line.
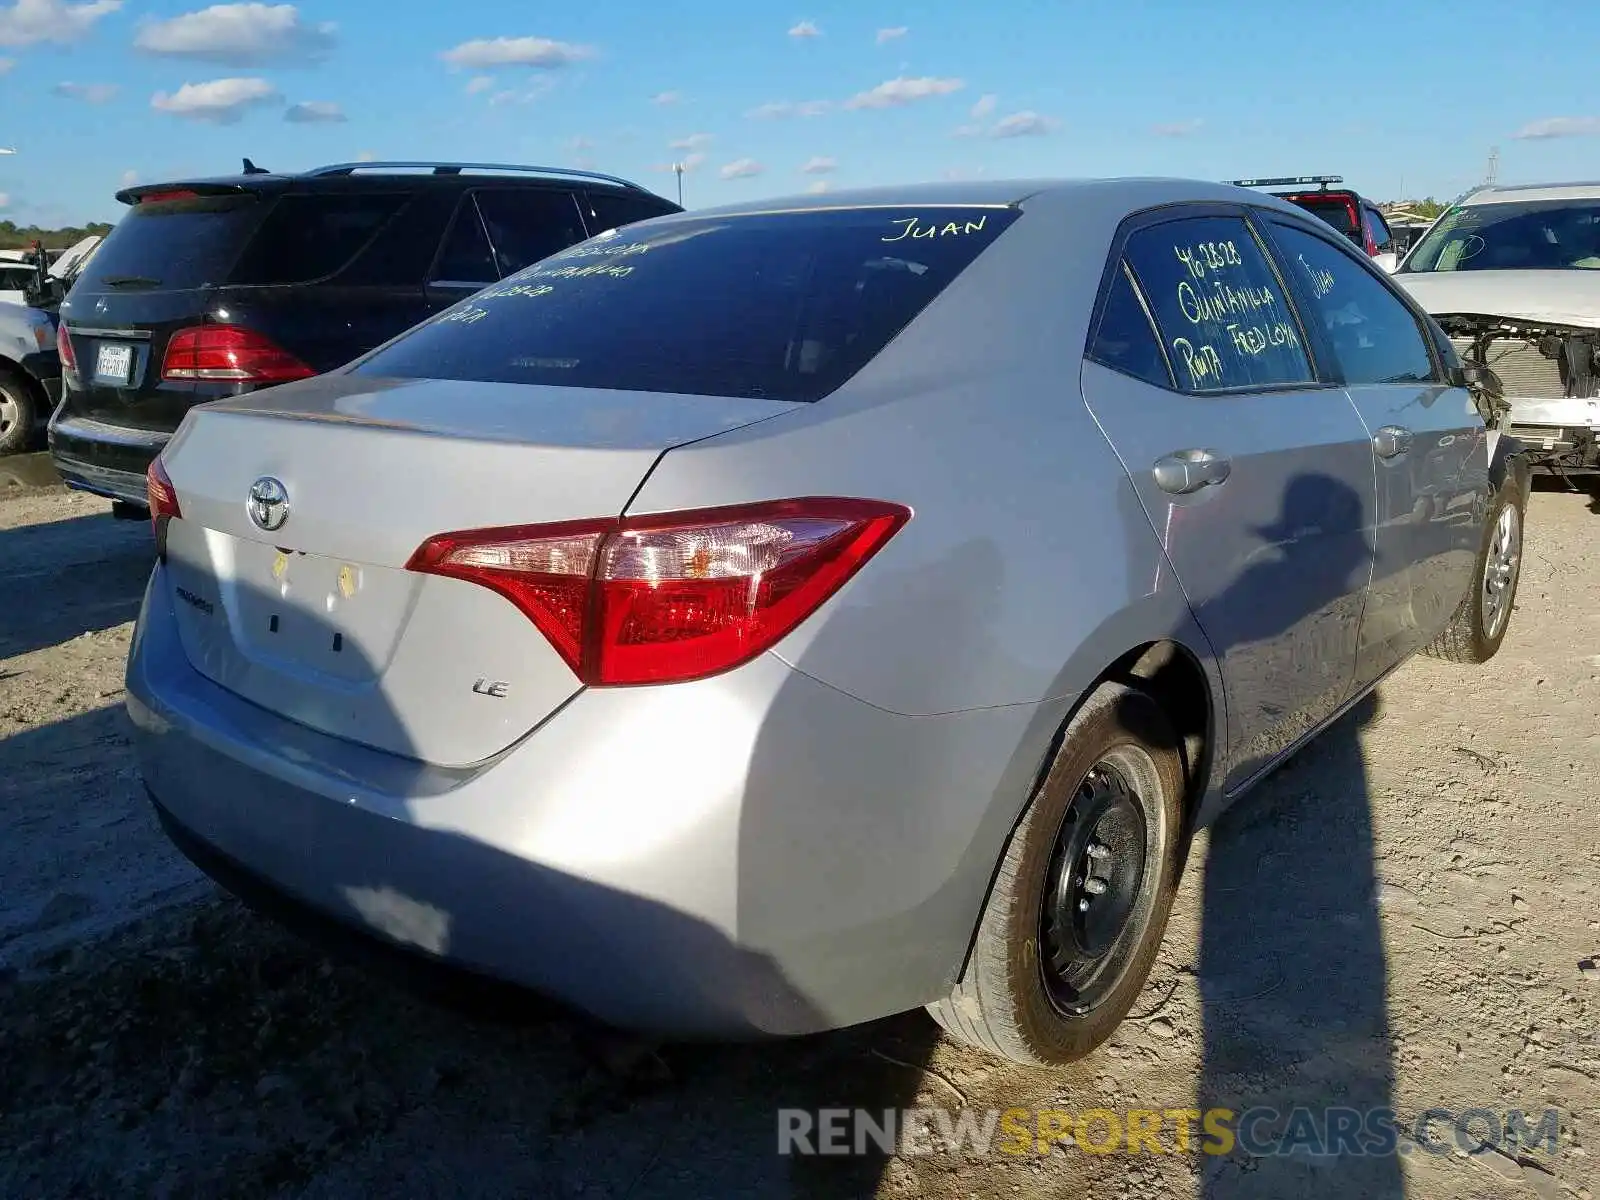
{"points": [[765, 619]]}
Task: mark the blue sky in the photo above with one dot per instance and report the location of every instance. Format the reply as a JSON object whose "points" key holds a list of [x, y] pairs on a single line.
{"points": [[759, 98]]}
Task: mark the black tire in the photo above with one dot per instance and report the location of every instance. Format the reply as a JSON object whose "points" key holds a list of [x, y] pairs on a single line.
{"points": [[19, 412], [1479, 625], [1010, 999]]}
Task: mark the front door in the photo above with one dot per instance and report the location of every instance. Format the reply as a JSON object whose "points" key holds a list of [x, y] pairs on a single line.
{"points": [[1256, 475], [1428, 440]]}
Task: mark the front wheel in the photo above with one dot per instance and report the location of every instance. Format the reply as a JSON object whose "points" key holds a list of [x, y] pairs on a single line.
{"points": [[1080, 903], [1480, 623], [18, 413]]}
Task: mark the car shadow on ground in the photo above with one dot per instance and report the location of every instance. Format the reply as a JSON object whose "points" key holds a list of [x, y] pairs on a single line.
{"points": [[69, 577], [1293, 985]]}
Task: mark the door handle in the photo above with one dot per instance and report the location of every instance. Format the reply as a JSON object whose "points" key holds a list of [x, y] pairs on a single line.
{"points": [[1391, 441], [1190, 470]]}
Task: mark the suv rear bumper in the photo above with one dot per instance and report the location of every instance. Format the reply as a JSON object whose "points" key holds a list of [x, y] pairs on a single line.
{"points": [[107, 460]]}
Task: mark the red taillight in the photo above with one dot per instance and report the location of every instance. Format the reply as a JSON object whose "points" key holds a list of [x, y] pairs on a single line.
{"points": [[670, 598], [230, 354], [162, 497], [174, 194], [69, 359]]}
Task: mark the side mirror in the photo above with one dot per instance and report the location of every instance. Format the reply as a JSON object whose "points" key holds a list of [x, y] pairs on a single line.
{"points": [[1482, 379]]}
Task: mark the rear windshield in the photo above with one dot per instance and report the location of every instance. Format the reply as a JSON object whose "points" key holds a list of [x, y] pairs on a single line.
{"points": [[1335, 210], [781, 306], [1534, 235], [173, 244]]}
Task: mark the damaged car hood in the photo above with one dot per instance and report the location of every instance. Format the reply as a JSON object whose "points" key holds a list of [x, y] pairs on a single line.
{"points": [[1567, 298]]}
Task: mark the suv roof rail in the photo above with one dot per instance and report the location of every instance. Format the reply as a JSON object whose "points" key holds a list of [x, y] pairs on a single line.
{"points": [[443, 168], [1287, 181]]}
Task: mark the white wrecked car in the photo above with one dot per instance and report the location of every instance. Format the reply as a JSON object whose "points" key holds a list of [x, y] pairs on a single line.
{"points": [[1513, 276]]}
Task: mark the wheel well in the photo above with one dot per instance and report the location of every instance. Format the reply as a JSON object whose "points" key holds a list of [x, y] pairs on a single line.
{"points": [[11, 367], [1177, 682]]}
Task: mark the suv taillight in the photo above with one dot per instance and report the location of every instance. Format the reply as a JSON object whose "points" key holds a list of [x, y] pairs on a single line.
{"points": [[670, 598], [69, 359], [229, 354]]}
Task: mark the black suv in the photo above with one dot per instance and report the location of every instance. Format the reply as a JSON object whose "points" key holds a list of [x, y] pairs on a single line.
{"points": [[215, 287]]}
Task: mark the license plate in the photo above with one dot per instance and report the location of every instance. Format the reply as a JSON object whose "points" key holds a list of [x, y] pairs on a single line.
{"points": [[114, 364]]}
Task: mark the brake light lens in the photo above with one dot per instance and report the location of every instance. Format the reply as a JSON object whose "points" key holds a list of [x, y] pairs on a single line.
{"points": [[173, 194], [229, 354], [69, 359], [163, 500], [671, 598]]}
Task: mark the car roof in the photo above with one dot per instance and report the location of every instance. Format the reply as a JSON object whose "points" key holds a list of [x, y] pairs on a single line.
{"points": [[1133, 192], [1512, 193], [387, 174]]}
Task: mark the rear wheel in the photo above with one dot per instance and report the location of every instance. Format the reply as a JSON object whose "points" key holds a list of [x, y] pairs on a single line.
{"points": [[1480, 623], [1080, 903], [18, 412]]}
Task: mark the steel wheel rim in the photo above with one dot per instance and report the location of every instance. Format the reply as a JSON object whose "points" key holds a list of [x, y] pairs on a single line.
{"points": [[10, 412], [1101, 883], [1500, 570]]}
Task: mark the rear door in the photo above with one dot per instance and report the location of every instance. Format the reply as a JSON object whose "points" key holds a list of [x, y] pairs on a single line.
{"points": [[1255, 472], [1428, 438]]}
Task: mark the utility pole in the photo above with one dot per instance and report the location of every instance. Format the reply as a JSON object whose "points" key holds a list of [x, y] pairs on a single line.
{"points": [[1494, 165], [677, 169]]}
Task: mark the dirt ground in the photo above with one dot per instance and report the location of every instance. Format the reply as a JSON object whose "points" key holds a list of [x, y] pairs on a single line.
{"points": [[1403, 917]]}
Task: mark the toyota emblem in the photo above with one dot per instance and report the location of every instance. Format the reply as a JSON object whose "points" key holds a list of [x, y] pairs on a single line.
{"points": [[268, 503]]}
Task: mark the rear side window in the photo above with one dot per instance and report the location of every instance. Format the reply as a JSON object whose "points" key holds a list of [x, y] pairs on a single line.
{"points": [[466, 256], [1218, 303], [1374, 336], [180, 243], [525, 226], [309, 237], [609, 210], [1125, 340], [782, 306], [1335, 210]]}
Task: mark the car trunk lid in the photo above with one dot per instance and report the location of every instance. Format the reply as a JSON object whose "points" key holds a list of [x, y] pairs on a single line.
{"points": [[319, 620]]}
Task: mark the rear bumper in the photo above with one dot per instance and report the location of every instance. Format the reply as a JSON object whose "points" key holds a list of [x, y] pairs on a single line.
{"points": [[107, 460], [754, 854]]}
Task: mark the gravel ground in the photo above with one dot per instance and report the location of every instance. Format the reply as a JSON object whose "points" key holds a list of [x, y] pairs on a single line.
{"points": [[1400, 917]]}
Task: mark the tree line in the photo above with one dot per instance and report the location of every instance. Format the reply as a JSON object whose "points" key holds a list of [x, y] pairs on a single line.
{"points": [[17, 237]]}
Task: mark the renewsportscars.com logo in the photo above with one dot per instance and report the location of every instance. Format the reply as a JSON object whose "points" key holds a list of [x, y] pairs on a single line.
{"points": [[1255, 1132]]}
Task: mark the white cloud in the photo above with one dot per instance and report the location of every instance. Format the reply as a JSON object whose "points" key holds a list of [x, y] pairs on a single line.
{"points": [[819, 165], [479, 83], [219, 101], [28, 22], [1023, 124], [6, 64], [893, 33], [5, 200], [1559, 127], [366, 156], [315, 112], [1173, 129], [805, 29], [89, 93], [817, 188], [129, 178], [579, 143], [238, 35], [695, 141], [786, 108], [665, 98], [741, 168], [893, 93], [526, 95], [984, 108], [960, 174], [516, 52]]}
